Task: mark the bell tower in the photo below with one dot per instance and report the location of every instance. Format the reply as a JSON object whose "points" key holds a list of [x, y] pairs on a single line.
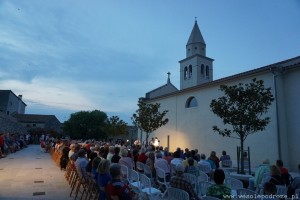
{"points": [[196, 68]]}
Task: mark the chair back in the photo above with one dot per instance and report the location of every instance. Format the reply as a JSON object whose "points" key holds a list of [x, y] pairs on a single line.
{"points": [[161, 175], [125, 172], [227, 163], [209, 198], [140, 166], [265, 178], [234, 183], [133, 176], [203, 185], [227, 173], [246, 194], [176, 193], [147, 171], [202, 176], [191, 179], [297, 192], [145, 181], [281, 190], [173, 167], [204, 168]]}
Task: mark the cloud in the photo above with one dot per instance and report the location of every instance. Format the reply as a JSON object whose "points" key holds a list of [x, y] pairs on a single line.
{"points": [[50, 92]]}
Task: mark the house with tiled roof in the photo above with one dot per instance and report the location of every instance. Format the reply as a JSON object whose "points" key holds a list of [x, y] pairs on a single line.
{"points": [[191, 119], [34, 121]]}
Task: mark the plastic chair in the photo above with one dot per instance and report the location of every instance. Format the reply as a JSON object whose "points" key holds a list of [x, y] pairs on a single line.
{"points": [[226, 163], [281, 190], [140, 167], [234, 183], [203, 185], [266, 178], [192, 179], [176, 193], [246, 194], [148, 173], [147, 187], [227, 173], [134, 179], [205, 168], [125, 172], [297, 192], [161, 179], [202, 176]]}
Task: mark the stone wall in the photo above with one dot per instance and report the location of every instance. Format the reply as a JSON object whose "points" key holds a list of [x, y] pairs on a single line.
{"points": [[10, 124]]}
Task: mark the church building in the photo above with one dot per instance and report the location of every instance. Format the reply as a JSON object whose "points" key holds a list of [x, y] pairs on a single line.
{"points": [[191, 119]]}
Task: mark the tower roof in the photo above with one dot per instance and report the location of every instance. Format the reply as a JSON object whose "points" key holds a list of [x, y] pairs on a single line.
{"points": [[196, 36]]}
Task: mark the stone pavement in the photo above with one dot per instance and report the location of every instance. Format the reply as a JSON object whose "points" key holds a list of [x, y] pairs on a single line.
{"points": [[32, 174]]}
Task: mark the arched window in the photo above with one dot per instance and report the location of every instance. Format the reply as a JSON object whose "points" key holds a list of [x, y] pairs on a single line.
{"points": [[191, 102], [207, 72], [185, 73], [190, 71], [202, 69]]}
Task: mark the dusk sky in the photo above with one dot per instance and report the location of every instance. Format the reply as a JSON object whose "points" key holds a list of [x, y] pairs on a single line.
{"points": [[64, 56]]}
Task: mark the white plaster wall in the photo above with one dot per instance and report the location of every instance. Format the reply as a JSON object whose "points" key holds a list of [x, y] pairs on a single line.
{"points": [[192, 127], [291, 85]]}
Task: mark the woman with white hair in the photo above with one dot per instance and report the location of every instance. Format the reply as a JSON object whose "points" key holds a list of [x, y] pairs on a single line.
{"points": [[125, 160]]}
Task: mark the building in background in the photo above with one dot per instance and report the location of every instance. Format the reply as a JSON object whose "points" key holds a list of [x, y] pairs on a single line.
{"points": [[10, 103], [14, 120], [38, 122], [191, 119]]}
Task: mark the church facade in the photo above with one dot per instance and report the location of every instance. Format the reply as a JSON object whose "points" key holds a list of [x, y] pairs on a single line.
{"points": [[191, 119]]}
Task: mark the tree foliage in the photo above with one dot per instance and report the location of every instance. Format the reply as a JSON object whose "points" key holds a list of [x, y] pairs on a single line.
{"points": [[115, 126], [86, 125], [149, 118], [244, 108]]}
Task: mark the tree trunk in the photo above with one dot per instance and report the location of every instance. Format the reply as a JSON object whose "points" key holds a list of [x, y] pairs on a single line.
{"points": [[147, 136], [242, 156]]}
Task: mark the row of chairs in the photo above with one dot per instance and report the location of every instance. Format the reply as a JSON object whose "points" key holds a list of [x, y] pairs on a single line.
{"points": [[85, 187]]}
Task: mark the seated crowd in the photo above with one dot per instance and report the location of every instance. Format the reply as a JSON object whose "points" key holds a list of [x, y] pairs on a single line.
{"points": [[11, 143], [103, 162]]}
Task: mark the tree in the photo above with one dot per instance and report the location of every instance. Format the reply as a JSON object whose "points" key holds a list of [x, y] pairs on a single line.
{"points": [[244, 108], [115, 126], [149, 118], [86, 125]]}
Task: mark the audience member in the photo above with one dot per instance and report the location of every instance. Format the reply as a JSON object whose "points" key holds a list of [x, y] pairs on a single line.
{"points": [[263, 168], [116, 188], [191, 168], [219, 189], [64, 159], [293, 186], [125, 160], [142, 156], [150, 162], [224, 157], [269, 189], [213, 160], [168, 157], [93, 155], [179, 181], [104, 177], [284, 173], [111, 151], [275, 176], [116, 157], [176, 160], [81, 163]]}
